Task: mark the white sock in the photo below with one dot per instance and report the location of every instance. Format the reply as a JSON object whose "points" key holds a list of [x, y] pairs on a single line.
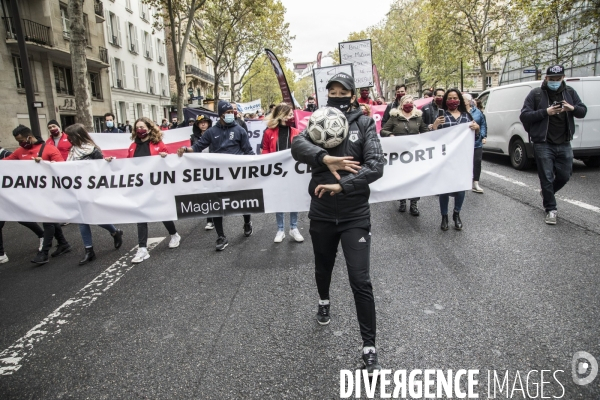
{"points": [[323, 302], [368, 349]]}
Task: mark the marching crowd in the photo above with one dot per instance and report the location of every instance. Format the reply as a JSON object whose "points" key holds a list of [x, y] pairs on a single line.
{"points": [[339, 188]]}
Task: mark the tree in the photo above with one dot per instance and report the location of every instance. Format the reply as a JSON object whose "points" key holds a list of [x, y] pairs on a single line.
{"points": [[78, 43], [177, 16], [262, 82], [304, 88]]}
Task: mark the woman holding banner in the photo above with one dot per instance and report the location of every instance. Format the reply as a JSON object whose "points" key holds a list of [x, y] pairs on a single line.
{"points": [[405, 120], [339, 207], [278, 137], [84, 148], [147, 141], [455, 113]]}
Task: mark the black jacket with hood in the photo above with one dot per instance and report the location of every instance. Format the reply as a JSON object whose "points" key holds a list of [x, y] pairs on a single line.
{"points": [[535, 119], [362, 143]]}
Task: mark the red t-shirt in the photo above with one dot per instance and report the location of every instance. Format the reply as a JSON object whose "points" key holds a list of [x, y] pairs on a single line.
{"points": [[367, 101], [50, 153]]}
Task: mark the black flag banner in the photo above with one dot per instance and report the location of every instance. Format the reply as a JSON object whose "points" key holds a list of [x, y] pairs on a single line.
{"points": [[283, 85]]}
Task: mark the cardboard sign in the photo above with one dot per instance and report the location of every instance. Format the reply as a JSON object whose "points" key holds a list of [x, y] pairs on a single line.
{"points": [[359, 53], [322, 75]]}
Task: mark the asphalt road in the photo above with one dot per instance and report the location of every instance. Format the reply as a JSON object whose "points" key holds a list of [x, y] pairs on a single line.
{"points": [[508, 293]]}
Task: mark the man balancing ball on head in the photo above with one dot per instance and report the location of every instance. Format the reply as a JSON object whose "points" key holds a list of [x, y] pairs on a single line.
{"points": [[344, 162]]}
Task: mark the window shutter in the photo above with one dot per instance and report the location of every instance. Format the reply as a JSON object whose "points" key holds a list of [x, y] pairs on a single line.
{"points": [[124, 72], [119, 31], [114, 71], [128, 36], [143, 50], [108, 27], [137, 43], [147, 80]]}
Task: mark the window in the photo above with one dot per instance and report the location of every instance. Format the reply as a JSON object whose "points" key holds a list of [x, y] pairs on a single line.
{"points": [[86, 26], [147, 45], [118, 73], [136, 80], [95, 87], [63, 80], [140, 111], [128, 5], [150, 81], [488, 65], [488, 82], [154, 113], [163, 85], [160, 51], [132, 39], [18, 72], [144, 13], [113, 27], [64, 17]]}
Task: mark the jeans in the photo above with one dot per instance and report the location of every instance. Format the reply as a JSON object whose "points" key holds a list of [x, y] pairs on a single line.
{"points": [[52, 230], [143, 232], [459, 198], [218, 221], [554, 165], [35, 228], [281, 220], [86, 233], [356, 244], [477, 155]]}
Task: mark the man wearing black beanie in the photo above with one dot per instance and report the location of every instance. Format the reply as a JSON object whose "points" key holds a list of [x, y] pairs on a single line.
{"points": [[225, 137]]}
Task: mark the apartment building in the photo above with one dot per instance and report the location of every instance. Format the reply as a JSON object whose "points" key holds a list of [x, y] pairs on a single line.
{"points": [[139, 76], [46, 30]]}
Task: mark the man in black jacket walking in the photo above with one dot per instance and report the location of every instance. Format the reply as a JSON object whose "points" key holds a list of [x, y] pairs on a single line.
{"points": [[339, 207], [547, 116]]}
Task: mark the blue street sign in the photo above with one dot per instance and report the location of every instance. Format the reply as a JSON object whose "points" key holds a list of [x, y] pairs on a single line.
{"points": [[529, 71]]}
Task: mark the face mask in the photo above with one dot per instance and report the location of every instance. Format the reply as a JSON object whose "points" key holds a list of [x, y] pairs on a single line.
{"points": [[55, 132], [290, 122], [379, 102], [408, 108], [141, 133], [109, 124], [452, 104], [235, 113], [26, 144], [399, 96], [554, 85], [364, 96], [438, 100], [341, 103], [228, 118]]}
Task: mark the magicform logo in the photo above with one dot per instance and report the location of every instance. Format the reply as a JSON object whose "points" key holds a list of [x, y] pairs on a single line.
{"points": [[584, 368], [220, 204]]}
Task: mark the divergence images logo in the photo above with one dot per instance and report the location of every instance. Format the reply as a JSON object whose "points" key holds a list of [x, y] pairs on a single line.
{"points": [[220, 204], [584, 368]]}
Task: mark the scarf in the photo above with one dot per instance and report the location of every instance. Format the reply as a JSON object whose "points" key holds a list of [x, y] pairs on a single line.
{"points": [[77, 153]]}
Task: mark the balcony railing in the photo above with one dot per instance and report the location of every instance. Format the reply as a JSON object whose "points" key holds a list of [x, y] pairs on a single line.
{"points": [[99, 8], [192, 70], [34, 32], [103, 53]]}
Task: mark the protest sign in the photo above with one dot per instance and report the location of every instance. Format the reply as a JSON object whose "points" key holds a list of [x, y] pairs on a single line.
{"points": [[322, 75], [359, 54]]}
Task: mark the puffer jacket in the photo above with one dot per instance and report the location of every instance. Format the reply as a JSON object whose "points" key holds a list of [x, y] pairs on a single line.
{"points": [[362, 143], [398, 125]]}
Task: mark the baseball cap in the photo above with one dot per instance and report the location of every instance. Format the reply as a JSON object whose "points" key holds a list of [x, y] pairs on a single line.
{"points": [[344, 79], [555, 70]]}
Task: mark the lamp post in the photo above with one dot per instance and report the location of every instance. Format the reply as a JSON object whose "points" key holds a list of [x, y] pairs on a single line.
{"points": [[538, 73]]}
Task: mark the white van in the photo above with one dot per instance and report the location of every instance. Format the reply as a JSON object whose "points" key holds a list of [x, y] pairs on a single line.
{"points": [[505, 134]]}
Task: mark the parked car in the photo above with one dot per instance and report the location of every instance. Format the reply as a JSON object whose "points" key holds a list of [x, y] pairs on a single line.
{"points": [[506, 135]]}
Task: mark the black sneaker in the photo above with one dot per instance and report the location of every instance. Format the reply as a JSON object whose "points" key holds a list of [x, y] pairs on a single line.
{"points": [[371, 363], [222, 242], [323, 315], [118, 238], [61, 249], [248, 229], [414, 209], [41, 258], [402, 207]]}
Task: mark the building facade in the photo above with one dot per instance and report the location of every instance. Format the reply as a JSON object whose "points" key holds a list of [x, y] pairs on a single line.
{"points": [[137, 53], [46, 30]]}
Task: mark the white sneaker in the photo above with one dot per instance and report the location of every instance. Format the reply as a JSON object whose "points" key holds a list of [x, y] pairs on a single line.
{"points": [[174, 242], [3, 258], [295, 233], [41, 244], [279, 237], [209, 226], [476, 187], [141, 255]]}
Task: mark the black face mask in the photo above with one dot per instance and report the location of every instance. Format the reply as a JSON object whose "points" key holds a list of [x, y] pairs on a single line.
{"points": [[341, 103]]}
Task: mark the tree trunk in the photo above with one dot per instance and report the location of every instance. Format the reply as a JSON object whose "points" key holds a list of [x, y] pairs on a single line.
{"points": [[216, 86], [181, 93], [483, 71], [79, 64], [232, 83]]}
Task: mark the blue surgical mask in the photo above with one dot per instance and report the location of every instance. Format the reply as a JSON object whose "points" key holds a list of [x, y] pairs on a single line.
{"points": [[554, 85], [109, 124], [228, 118]]}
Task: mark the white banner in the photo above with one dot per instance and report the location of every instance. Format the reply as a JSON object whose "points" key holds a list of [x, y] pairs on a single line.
{"points": [[359, 54], [322, 75], [148, 189], [256, 128], [249, 107]]}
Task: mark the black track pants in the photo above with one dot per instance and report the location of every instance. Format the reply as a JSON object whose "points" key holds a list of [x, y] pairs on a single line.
{"points": [[218, 221], [356, 244]]}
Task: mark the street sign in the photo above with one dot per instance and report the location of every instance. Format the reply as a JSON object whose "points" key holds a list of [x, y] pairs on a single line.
{"points": [[529, 71]]}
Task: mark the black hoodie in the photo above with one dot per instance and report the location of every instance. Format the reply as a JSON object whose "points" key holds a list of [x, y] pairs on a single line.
{"points": [[362, 143]]}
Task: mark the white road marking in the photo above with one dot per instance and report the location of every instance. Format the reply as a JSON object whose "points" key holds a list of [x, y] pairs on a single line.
{"points": [[13, 357], [537, 190]]}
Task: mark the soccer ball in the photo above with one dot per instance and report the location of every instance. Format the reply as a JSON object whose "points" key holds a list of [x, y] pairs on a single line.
{"points": [[328, 127]]}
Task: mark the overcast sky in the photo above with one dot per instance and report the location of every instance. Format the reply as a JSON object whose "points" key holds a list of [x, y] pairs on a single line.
{"points": [[319, 25]]}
